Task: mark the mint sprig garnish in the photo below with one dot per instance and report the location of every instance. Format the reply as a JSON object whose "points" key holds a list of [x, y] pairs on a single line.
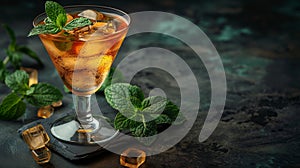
{"points": [[53, 10], [141, 116], [56, 21], [41, 94]]}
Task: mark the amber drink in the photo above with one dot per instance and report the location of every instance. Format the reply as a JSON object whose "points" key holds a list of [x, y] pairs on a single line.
{"points": [[83, 57]]}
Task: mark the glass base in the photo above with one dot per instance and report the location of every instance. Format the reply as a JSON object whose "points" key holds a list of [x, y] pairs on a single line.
{"points": [[70, 130]]}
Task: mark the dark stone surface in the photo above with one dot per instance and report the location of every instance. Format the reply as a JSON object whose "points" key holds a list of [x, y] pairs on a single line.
{"points": [[258, 42]]}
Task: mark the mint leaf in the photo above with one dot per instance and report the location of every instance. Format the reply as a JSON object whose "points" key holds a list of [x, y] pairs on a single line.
{"points": [[63, 46], [29, 91], [145, 129], [3, 71], [44, 29], [47, 21], [136, 102], [61, 20], [12, 107], [139, 129], [145, 132], [119, 96], [172, 111], [66, 90], [53, 9], [30, 53], [143, 117], [56, 20], [136, 96], [136, 92], [14, 57], [15, 52], [44, 94], [163, 119], [12, 36], [18, 81], [77, 23], [122, 123], [154, 104]]}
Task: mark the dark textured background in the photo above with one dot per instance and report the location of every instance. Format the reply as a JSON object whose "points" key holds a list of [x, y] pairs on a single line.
{"points": [[258, 42]]}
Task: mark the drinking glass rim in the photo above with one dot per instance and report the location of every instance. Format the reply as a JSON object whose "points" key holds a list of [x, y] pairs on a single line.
{"points": [[60, 37]]}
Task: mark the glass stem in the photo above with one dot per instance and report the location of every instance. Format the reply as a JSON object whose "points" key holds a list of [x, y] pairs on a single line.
{"points": [[84, 114]]}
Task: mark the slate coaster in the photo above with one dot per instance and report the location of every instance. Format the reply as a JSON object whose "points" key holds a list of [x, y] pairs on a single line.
{"points": [[70, 151]]}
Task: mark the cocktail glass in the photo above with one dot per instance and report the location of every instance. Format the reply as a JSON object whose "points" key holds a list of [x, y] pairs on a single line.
{"points": [[82, 58]]}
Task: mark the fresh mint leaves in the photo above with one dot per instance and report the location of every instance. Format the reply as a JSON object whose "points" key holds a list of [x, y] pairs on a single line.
{"points": [[154, 104], [77, 22], [53, 10], [141, 116], [18, 81], [44, 29], [119, 97], [56, 21], [41, 94], [12, 107], [14, 53]]}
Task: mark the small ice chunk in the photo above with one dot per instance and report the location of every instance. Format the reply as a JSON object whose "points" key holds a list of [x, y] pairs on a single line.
{"points": [[105, 28], [91, 14], [110, 27], [95, 30]]}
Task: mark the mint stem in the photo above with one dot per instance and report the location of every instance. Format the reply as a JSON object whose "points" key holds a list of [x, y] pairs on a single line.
{"points": [[144, 121], [5, 61]]}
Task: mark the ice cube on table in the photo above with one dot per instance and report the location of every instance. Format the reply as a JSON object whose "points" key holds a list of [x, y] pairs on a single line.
{"points": [[91, 14], [45, 112], [57, 104]]}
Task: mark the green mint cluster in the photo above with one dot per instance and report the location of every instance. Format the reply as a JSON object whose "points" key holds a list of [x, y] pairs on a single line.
{"points": [[14, 54], [141, 116], [56, 21], [41, 94]]}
